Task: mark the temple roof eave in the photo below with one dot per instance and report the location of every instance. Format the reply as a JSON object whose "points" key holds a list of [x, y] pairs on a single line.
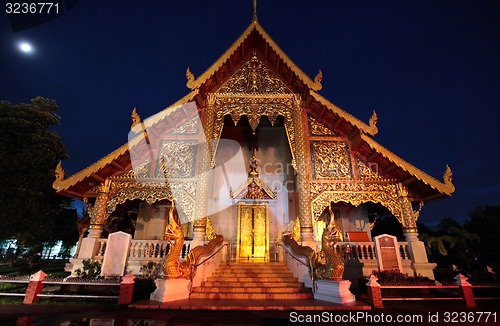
{"points": [[445, 188], [65, 185]]}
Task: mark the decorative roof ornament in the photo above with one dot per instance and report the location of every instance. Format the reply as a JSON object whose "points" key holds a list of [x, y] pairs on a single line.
{"points": [[317, 81], [373, 122], [254, 19], [59, 172], [190, 79], [253, 188], [448, 176], [136, 118]]}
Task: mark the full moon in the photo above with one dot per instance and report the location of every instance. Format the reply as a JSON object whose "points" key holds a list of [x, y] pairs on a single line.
{"points": [[25, 47]]}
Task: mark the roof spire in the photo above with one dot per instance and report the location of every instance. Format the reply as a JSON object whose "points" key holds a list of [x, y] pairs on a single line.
{"points": [[254, 11]]}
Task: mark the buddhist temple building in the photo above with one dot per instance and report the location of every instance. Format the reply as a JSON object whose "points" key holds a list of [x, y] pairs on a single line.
{"points": [[253, 151]]}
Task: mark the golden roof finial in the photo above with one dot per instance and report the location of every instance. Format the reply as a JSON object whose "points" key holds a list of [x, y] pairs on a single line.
{"points": [[59, 172], [136, 119], [190, 79], [373, 119], [448, 176], [254, 11], [317, 81]]}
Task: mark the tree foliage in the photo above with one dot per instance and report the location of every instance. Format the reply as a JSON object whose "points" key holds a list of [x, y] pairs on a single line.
{"points": [[30, 152]]}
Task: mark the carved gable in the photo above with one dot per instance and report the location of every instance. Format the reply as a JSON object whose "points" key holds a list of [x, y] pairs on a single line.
{"points": [[254, 77]]}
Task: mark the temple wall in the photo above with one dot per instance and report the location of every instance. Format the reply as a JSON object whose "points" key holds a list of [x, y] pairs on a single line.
{"points": [[275, 170]]}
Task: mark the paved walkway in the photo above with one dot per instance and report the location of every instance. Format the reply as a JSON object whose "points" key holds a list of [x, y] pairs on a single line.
{"points": [[254, 305]]}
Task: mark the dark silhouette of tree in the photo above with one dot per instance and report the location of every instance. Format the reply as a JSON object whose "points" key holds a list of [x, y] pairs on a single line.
{"points": [[30, 151]]}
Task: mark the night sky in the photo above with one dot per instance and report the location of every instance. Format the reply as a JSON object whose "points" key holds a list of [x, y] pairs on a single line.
{"points": [[430, 68]]}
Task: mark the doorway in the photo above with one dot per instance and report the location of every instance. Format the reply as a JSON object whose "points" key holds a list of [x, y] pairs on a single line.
{"points": [[253, 232]]}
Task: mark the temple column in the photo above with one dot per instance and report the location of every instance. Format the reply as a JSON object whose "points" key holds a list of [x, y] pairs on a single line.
{"points": [[204, 169], [416, 248], [199, 229], [98, 215], [302, 166]]}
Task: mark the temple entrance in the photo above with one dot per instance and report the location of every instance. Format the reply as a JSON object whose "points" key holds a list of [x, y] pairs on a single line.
{"points": [[253, 232]]}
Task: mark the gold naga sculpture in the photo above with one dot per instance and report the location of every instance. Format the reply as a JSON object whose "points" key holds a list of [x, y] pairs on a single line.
{"points": [[333, 269], [172, 266]]}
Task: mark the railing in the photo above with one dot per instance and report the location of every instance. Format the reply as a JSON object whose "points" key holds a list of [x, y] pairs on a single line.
{"points": [[365, 251], [206, 260], [291, 254], [145, 249]]}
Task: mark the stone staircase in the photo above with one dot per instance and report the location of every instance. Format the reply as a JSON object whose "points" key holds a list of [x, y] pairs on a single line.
{"points": [[258, 281]]}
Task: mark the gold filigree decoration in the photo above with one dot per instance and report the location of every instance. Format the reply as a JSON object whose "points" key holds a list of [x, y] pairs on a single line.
{"points": [[209, 229], [366, 173], [177, 159], [318, 129], [254, 78], [140, 170], [253, 187], [296, 230], [254, 106], [331, 160], [188, 128], [355, 193]]}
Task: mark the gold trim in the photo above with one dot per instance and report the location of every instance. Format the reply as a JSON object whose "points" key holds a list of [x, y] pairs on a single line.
{"points": [[238, 243], [63, 184], [445, 187], [370, 129], [194, 84]]}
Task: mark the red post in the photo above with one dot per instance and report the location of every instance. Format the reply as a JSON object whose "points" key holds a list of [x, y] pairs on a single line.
{"points": [[35, 287], [374, 292], [126, 289], [466, 289]]}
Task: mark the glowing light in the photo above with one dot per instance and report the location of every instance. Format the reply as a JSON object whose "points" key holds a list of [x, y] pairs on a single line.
{"points": [[25, 47]]}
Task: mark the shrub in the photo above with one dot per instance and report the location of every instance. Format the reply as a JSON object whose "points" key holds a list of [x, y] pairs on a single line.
{"points": [[396, 278]]}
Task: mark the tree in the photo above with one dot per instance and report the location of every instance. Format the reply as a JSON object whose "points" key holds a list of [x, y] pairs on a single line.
{"points": [[485, 222], [30, 151]]}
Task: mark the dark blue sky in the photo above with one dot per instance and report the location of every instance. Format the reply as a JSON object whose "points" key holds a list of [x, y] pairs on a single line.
{"points": [[430, 68]]}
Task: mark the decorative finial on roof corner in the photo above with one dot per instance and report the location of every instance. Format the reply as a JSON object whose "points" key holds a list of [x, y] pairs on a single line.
{"points": [[317, 81], [190, 79], [448, 176], [373, 123], [448, 180], [254, 19], [59, 172], [136, 119]]}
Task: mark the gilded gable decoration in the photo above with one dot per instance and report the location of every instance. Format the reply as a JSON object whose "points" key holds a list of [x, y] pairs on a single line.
{"points": [[331, 160], [253, 187], [181, 158], [365, 172], [318, 129], [254, 78]]}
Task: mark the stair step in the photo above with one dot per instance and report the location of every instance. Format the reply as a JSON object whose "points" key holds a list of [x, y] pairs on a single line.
{"points": [[252, 284], [225, 289], [252, 279], [251, 274], [256, 296]]}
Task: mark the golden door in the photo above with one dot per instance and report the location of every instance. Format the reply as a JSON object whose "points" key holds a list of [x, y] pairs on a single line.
{"points": [[253, 232]]}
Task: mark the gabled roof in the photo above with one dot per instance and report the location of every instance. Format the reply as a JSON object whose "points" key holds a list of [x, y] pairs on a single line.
{"points": [[253, 39]]}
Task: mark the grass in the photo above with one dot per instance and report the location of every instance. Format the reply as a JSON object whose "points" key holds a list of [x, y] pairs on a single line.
{"points": [[52, 267]]}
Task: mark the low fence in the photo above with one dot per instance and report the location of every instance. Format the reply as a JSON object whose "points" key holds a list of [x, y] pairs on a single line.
{"points": [[36, 283], [461, 291]]}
